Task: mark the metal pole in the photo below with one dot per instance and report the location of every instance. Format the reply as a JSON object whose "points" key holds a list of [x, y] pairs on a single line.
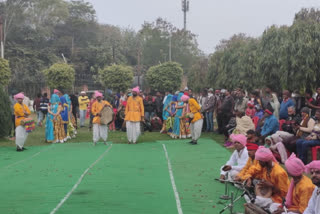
{"points": [[170, 44], [231, 203], [1, 38]]}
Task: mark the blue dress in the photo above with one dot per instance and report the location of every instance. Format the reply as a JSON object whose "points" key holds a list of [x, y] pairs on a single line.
{"points": [[176, 125], [54, 105]]}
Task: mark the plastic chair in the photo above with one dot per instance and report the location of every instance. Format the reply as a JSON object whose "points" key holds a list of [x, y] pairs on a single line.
{"points": [[314, 152]]}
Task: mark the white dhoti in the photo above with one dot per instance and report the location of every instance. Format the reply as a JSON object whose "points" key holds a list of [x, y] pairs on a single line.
{"points": [[21, 136], [133, 131], [100, 131], [196, 129], [231, 173]]}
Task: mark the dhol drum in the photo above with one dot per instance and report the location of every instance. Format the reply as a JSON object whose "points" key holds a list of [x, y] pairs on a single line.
{"points": [[253, 209], [28, 124], [107, 115], [265, 192]]}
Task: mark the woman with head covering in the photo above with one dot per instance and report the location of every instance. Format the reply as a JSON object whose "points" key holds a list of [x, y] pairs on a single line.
{"points": [[54, 125], [71, 121], [165, 113], [21, 112], [64, 115], [172, 111], [176, 125]]}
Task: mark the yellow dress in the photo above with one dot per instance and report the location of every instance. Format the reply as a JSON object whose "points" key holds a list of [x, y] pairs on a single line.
{"points": [[19, 112], [96, 109], [195, 109], [134, 109], [59, 133], [250, 163]]}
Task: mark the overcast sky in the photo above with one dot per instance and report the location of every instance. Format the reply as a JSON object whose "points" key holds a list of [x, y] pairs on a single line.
{"points": [[210, 20]]}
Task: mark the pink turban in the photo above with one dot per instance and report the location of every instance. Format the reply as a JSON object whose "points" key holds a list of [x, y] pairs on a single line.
{"points": [[313, 165], [184, 98], [295, 167], [98, 94], [136, 89], [56, 91], [264, 154], [239, 138], [18, 96]]}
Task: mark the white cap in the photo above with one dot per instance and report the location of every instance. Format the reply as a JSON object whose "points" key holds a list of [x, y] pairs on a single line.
{"points": [[83, 92]]}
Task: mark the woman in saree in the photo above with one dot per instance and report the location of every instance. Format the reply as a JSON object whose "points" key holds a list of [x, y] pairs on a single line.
{"points": [[54, 121], [166, 113], [64, 115], [176, 125], [185, 130], [172, 112], [71, 131]]}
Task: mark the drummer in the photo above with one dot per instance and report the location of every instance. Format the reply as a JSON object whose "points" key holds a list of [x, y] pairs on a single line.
{"points": [[99, 130], [21, 112], [300, 190], [272, 176]]}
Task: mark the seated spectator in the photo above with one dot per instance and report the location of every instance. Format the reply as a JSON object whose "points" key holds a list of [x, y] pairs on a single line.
{"points": [[276, 146], [285, 104], [271, 124], [252, 136], [303, 145], [300, 190], [310, 102], [238, 158], [244, 123], [250, 111], [299, 131], [292, 120], [227, 130]]}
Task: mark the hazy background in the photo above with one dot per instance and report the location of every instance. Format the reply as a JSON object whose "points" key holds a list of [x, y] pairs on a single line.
{"points": [[211, 20]]}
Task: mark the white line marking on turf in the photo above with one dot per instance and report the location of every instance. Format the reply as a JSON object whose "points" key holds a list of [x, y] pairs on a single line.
{"points": [[174, 187], [28, 158], [79, 181]]}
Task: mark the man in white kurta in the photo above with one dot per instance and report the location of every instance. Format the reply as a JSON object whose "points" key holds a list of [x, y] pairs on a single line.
{"points": [[314, 203], [237, 160]]}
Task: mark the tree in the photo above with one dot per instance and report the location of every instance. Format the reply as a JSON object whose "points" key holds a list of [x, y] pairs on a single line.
{"points": [[5, 113], [116, 77], [165, 77], [5, 73], [60, 75]]}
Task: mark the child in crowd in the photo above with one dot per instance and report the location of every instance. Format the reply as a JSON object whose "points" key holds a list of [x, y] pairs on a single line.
{"points": [[251, 111]]}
